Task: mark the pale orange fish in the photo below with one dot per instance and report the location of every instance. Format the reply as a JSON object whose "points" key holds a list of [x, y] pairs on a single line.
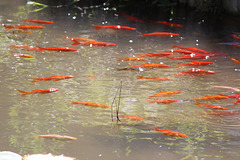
{"points": [[40, 91], [167, 93], [53, 78], [56, 136], [211, 106], [91, 104], [235, 60], [81, 39], [132, 59], [22, 55], [156, 78], [164, 101], [135, 118], [170, 133], [91, 76], [226, 87], [214, 98]]}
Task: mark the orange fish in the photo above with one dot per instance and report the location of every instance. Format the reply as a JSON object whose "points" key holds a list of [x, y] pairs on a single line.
{"points": [[133, 59], [56, 136], [149, 65], [81, 39], [22, 55], [92, 44], [214, 98], [23, 27], [161, 34], [27, 48], [191, 49], [91, 76], [53, 78], [40, 91], [236, 102], [226, 87], [222, 113], [38, 21], [156, 78], [134, 118], [162, 94], [195, 64], [92, 104], [131, 18], [117, 27], [211, 106], [193, 56], [164, 101], [59, 49], [170, 133], [168, 23], [235, 60], [231, 96], [181, 51], [236, 45], [194, 72], [167, 53]]}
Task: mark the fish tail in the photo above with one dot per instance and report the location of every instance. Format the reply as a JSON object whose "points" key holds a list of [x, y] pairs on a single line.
{"points": [[174, 46], [75, 42], [141, 55], [180, 64], [41, 48], [143, 34], [36, 80], [97, 27], [74, 102], [7, 27], [149, 101], [24, 92], [37, 136], [25, 20], [140, 77]]}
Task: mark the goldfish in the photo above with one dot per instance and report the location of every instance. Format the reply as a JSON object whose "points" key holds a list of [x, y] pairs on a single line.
{"points": [[226, 87], [235, 60], [161, 34], [92, 44], [214, 98], [170, 133], [27, 48], [167, 53], [117, 27], [162, 94], [191, 49], [168, 23], [149, 65], [59, 49], [236, 102], [224, 113], [211, 106], [38, 21], [134, 118], [181, 51], [131, 18], [23, 27], [195, 64], [156, 78], [132, 59], [22, 55], [231, 96], [53, 78], [81, 39], [193, 56], [91, 76], [194, 72], [40, 91], [56, 136], [92, 104], [164, 101]]}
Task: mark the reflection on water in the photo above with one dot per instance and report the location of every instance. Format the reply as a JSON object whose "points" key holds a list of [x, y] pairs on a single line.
{"points": [[22, 118]]}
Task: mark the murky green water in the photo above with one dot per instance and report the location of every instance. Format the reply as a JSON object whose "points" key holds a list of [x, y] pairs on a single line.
{"points": [[22, 118]]}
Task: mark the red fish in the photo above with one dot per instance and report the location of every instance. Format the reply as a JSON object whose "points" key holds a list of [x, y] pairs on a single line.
{"points": [[235, 60], [193, 56], [234, 36], [161, 34], [40, 91], [38, 21], [59, 49], [181, 51], [53, 78], [164, 101], [117, 27], [56, 136], [91, 104], [168, 23], [23, 27], [134, 118], [131, 18], [81, 39], [132, 59], [231, 96], [162, 94], [93, 44], [191, 49], [27, 48], [194, 72], [236, 45], [213, 98], [156, 78], [236, 102], [211, 106], [223, 113], [167, 53], [170, 133], [149, 65], [22, 55], [195, 64]]}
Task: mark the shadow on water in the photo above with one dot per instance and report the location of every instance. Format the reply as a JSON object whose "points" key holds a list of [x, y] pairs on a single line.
{"points": [[22, 118]]}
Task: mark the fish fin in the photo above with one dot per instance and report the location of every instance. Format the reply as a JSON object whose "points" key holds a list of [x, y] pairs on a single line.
{"points": [[97, 27], [75, 42], [26, 92]]}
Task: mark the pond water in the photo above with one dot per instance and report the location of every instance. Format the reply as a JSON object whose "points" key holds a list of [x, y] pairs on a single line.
{"points": [[210, 137]]}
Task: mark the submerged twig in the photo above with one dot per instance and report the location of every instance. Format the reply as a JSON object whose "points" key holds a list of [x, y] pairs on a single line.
{"points": [[117, 108]]}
